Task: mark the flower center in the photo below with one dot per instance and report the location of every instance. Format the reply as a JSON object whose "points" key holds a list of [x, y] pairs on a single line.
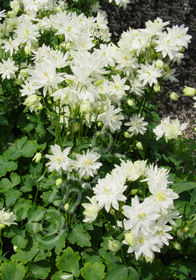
{"points": [[142, 215], [160, 196]]}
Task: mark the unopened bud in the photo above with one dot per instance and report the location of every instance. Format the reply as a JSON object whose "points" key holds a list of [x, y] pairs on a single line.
{"points": [[139, 145], [130, 238], [157, 88], [134, 191], [189, 91], [173, 96], [114, 245], [127, 134], [177, 246], [130, 102], [37, 157], [58, 182], [66, 207], [27, 49], [159, 64]]}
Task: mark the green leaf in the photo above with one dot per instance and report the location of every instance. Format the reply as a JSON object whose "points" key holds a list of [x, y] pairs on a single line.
{"points": [[184, 186], [118, 273], [6, 166], [23, 147], [133, 274], [5, 185], [40, 269], [68, 261], [11, 197], [22, 207], [93, 271], [80, 236], [36, 214], [15, 178], [12, 271], [25, 256], [19, 240]]}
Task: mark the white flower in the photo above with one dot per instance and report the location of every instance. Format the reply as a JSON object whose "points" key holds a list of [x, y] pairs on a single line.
{"points": [[141, 216], [131, 170], [148, 74], [144, 244], [7, 218], [114, 245], [86, 163], [109, 191], [27, 32], [8, 68], [156, 177], [45, 75], [91, 210], [59, 160], [136, 125], [171, 129], [111, 118], [33, 102]]}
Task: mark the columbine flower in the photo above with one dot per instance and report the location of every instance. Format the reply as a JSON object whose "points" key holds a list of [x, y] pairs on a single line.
{"points": [[110, 118], [144, 244], [148, 74], [8, 69], [171, 129], [109, 191], [91, 210], [7, 218], [136, 125], [59, 160], [141, 216], [86, 164], [114, 245], [131, 170]]}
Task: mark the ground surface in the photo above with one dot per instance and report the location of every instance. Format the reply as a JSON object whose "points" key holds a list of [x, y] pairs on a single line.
{"points": [[177, 12]]}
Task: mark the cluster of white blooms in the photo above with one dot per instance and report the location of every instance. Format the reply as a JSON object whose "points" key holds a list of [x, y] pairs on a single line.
{"points": [[85, 164], [120, 3], [74, 72], [7, 218], [170, 129], [146, 224]]}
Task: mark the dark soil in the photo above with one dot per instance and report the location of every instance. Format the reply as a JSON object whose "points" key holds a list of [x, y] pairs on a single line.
{"points": [[177, 12]]}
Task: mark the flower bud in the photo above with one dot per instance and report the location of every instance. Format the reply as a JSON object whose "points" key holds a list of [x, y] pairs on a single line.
{"points": [[139, 145], [189, 91], [127, 134], [130, 102], [37, 157], [27, 49], [157, 88], [85, 107], [159, 64], [173, 96], [130, 238], [177, 246], [134, 191], [114, 245], [66, 207], [58, 181]]}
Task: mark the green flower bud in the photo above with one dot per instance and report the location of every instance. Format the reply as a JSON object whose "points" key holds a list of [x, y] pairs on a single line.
{"points": [[114, 245], [157, 88], [173, 96], [58, 181], [159, 64], [139, 145], [189, 91], [177, 246], [130, 238], [37, 157]]}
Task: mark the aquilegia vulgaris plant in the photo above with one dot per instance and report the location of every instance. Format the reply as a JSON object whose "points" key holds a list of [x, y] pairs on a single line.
{"points": [[91, 177]]}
